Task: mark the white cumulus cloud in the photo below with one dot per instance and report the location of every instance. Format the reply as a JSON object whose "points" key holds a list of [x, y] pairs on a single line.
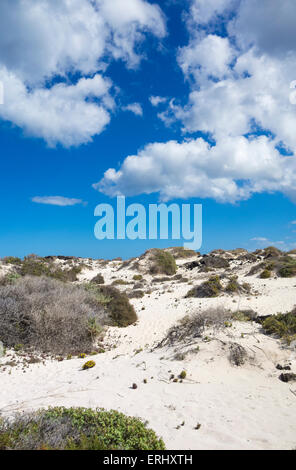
{"points": [[239, 98], [135, 108], [57, 39]]}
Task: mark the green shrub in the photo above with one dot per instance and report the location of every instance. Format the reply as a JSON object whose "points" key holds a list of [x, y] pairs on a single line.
{"points": [[210, 288], [266, 274], [39, 267], [98, 279], [88, 365], [119, 282], [234, 286], [287, 267], [183, 374], [77, 429], [11, 260], [121, 312], [179, 252], [136, 294], [282, 325], [164, 263], [137, 277]]}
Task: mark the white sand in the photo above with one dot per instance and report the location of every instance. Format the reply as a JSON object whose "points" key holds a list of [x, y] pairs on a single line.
{"points": [[244, 407]]}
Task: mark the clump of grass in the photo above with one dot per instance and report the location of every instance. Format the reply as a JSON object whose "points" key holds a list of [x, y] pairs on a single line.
{"points": [[136, 294], [210, 288], [49, 316], [183, 375], [234, 286], [244, 315], [163, 263], [288, 269], [179, 252], [266, 274], [119, 282], [193, 326], [121, 312], [12, 260], [35, 266], [281, 325], [237, 354], [138, 277], [98, 279], [77, 429], [88, 365]]}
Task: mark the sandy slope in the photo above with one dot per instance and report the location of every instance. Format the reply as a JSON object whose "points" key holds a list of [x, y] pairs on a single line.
{"points": [[245, 407]]}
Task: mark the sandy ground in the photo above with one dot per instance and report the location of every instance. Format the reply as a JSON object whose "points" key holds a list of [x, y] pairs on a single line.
{"points": [[244, 407]]}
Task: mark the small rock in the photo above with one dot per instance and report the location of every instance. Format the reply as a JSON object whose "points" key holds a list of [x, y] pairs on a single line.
{"points": [[288, 377], [134, 386], [279, 367]]}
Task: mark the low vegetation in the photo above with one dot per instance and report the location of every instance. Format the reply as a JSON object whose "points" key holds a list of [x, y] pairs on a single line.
{"points": [[179, 252], [282, 325], [213, 288], [77, 429], [98, 279], [163, 263], [117, 304], [266, 274], [194, 326], [210, 288], [52, 317]]}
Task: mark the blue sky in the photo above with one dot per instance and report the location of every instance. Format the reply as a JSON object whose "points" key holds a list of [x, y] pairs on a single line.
{"points": [[223, 134]]}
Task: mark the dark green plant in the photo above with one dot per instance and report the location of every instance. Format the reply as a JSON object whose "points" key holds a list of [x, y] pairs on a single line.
{"points": [[164, 263], [210, 288], [266, 274], [121, 312], [77, 429], [282, 325]]}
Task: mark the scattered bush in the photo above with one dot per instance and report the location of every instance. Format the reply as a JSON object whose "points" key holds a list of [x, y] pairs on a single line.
{"points": [[119, 282], [98, 279], [237, 354], [179, 252], [11, 260], [244, 315], [49, 316], [136, 294], [183, 375], [77, 429], [210, 288], [34, 266], [163, 263], [282, 325], [234, 286], [88, 365], [266, 274], [118, 306], [137, 277], [193, 326]]}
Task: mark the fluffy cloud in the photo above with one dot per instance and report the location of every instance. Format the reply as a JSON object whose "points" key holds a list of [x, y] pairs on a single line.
{"points": [[135, 108], [268, 25], [61, 113], [50, 39], [233, 169], [210, 56], [157, 100], [204, 11], [57, 201], [240, 98]]}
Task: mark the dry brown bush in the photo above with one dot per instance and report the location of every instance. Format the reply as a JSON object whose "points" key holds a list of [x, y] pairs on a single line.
{"points": [[49, 316]]}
